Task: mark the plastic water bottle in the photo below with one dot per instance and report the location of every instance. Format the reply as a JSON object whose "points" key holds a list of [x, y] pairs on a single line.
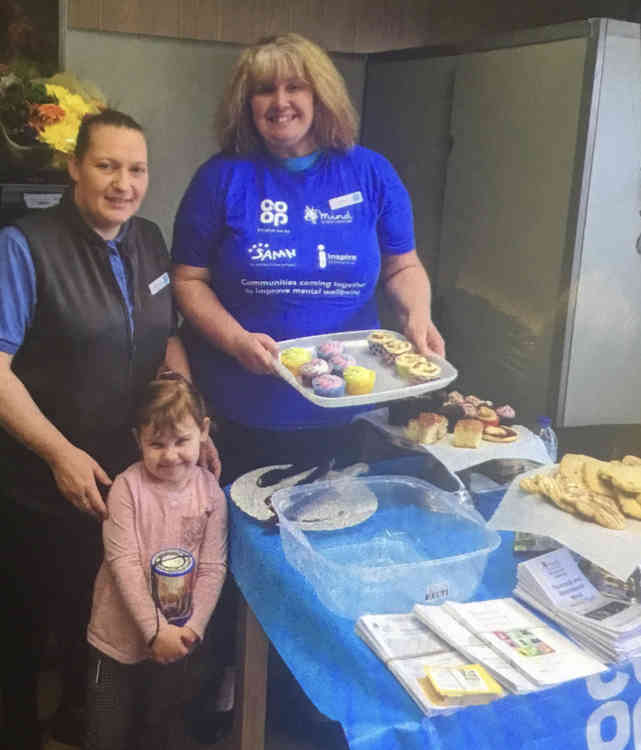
{"points": [[548, 436]]}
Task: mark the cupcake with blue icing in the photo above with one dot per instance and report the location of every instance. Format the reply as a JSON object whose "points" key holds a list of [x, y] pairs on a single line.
{"points": [[328, 385]]}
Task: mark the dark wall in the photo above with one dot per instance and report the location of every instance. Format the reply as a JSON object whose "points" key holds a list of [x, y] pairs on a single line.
{"points": [[29, 28]]}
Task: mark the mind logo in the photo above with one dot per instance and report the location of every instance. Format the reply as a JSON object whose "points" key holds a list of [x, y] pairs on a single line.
{"points": [[315, 215], [311, 214]]}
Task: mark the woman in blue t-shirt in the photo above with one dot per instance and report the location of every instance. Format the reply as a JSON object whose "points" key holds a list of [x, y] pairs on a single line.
{"points": [[286, 233]]}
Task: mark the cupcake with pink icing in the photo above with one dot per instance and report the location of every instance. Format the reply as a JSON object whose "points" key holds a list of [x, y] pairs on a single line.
{"points": [[339, 362], [312, 369], [506, 414], [329, 348]]}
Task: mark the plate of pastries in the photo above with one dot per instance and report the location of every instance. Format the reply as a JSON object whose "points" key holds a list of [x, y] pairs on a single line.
{"points": [[604, 492], [359, 367], [469, 420]]}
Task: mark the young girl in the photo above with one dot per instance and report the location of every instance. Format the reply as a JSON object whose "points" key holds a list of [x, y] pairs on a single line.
{"points": [[165, 549]]}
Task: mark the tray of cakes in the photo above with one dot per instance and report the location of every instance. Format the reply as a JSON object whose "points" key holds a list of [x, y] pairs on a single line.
{"points": [[355, 368], [460, 431]]}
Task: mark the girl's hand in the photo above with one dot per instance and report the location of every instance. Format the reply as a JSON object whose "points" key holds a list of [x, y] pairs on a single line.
{"points": [[168, 646], [189, 638], [256, 352]]}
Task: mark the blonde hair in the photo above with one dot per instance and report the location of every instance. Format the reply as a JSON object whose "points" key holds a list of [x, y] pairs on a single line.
{"points": [[335, 124], [166, 401]]}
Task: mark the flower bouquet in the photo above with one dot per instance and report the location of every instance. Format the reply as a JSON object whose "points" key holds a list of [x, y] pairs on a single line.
{"points": [[40, 117]]}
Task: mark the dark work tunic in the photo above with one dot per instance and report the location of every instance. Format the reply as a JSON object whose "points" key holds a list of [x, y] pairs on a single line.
{"points": [[79, 360]]}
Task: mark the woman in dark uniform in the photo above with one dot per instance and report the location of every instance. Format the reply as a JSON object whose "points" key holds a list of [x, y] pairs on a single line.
{"points": [[86, 320]]}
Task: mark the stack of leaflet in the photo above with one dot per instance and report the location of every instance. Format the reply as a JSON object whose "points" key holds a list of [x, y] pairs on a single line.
{"points": [[408, 649], [522, 652], [441, 622], [554, 584], [452, 655]]}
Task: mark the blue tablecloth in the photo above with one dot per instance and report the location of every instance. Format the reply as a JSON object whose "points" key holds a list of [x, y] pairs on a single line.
{"points": [[349, 684]]}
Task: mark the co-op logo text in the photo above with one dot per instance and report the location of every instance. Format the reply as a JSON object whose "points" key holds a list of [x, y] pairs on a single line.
{"points": [[273, 212]]}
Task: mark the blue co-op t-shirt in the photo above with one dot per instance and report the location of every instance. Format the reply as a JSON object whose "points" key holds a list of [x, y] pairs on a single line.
{"points": [[291, 254]]}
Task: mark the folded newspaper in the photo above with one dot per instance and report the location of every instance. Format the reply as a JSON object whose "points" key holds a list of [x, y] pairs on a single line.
{"points": [[553, 583]]}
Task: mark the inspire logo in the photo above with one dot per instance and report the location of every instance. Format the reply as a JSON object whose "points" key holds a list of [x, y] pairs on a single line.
{"points": [[273, 212], [341, 258]]}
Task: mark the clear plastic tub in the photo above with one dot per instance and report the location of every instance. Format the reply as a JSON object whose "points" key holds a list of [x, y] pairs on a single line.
{"points": [[394, 541]]}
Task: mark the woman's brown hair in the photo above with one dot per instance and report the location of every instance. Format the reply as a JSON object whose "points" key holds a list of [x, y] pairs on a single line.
{"points": [[105, 117]]}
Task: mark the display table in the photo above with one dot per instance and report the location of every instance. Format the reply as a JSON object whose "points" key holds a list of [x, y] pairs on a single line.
{"points": [[349, 684]]}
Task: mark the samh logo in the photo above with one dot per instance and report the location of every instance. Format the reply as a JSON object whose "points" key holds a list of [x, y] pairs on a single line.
{"points": [[273, 212], [261, 252]]}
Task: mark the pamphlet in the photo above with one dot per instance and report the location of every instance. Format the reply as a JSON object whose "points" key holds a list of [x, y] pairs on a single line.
{"points": [[473, 648], [464, 685], [544, 656], [408, 648], [398, 636], [554, 584]]}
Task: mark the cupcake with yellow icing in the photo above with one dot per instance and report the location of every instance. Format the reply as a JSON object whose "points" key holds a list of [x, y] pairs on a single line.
{"points": [[404, 361], [359, 380], [392, 349], [423, 372], [294, 358], [377, 339]]}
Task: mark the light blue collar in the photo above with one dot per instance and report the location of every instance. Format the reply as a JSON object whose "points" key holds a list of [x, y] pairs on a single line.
{"points": [[300, 163]]}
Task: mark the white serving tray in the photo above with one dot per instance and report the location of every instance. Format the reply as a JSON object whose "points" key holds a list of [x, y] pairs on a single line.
{"points": [[388, 387]]}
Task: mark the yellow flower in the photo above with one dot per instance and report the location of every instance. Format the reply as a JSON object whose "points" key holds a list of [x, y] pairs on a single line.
{"points": [[62, 135]]}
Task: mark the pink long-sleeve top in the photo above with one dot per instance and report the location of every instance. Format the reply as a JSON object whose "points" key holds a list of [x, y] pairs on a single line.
{"points": [[145, 517]]}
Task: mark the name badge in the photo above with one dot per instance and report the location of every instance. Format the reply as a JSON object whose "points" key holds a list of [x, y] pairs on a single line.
{"points": [[160, 283], [345, 200]]}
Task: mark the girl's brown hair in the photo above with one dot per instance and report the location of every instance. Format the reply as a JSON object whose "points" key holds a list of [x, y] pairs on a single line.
{"points": [[335, 123], [166, 401]]}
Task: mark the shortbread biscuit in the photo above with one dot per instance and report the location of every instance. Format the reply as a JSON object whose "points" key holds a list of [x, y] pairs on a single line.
{"points": [[629, 504], [623, 476], [573, 497], [607, 512], [530, 484], [631, 460], [592, 477], [571, 467]]}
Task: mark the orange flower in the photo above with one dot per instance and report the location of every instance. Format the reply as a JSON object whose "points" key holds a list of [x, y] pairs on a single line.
{"points": [[43, 115]]}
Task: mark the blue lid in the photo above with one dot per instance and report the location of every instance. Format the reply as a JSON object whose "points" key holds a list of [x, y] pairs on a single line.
{"points": [[544, 421], [172, 562]]}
